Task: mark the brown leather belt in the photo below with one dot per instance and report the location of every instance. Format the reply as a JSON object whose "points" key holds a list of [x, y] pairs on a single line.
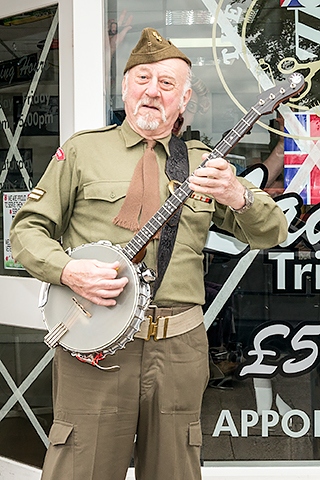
{"points": [[166, 322]]}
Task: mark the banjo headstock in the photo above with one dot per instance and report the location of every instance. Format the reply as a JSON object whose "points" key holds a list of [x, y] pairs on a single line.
{"points": [[271, 98]]}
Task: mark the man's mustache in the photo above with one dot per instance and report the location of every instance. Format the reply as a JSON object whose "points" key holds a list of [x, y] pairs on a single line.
{"points": [[153, 104]]}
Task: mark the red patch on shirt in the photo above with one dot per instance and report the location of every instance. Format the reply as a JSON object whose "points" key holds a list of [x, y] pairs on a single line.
{"points": [[60, 155]]}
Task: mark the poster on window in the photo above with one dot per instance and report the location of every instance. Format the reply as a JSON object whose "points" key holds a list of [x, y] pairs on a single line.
{"points": [[12, 202]]}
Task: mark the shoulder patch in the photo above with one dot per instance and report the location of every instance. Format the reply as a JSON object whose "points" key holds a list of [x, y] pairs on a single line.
{"points": [[60, 155]]}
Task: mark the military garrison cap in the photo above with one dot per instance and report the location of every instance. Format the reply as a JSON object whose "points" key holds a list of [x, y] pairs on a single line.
{"points": [[152, 47]]}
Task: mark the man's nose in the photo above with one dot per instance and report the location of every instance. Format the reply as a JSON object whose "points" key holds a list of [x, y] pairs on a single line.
{"points": [[153, 87]]}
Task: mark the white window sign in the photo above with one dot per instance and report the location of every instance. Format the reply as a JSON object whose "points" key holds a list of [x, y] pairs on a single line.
{"points": [[12, 202]]}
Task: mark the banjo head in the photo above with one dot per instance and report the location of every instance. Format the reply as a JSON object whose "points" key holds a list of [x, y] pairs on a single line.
{"points": [[104, 325]]}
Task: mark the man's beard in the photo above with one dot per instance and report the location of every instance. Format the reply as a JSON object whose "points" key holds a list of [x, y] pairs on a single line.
{"points": [[147, 122]]}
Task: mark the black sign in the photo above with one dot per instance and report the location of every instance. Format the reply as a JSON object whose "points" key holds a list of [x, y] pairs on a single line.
{"points": [[19, 70]]}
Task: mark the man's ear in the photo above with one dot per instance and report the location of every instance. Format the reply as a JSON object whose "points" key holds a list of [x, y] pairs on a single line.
{"points": [[186, 98], [124, 86]]}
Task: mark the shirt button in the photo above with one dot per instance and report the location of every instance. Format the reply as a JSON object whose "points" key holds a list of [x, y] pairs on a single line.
{"points": [[112, 195]]}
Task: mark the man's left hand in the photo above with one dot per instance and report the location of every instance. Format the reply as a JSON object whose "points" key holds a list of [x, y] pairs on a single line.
{"points": [[218, 180]]}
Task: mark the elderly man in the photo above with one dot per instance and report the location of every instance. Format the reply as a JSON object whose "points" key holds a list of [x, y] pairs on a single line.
{"points": [[101, 185]]}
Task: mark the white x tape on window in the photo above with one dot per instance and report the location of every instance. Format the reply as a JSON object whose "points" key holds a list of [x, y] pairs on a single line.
{"points": [[18, 392]]}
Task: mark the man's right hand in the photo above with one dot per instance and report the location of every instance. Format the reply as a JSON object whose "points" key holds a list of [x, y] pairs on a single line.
{"points": [[94, 280]]}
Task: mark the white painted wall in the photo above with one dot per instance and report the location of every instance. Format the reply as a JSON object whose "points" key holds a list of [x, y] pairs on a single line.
{"points": [[19, 302], [17, 471], [89, 65]]}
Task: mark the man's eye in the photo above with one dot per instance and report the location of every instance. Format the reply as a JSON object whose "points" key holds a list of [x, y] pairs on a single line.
{"points": [[142, 78], [167, 84]]}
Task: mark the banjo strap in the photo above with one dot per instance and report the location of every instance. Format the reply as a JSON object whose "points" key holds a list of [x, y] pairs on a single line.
{"points": [[177, 168]]}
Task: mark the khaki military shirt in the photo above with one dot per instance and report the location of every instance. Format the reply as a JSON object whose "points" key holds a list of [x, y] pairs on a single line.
{"points": [[82, 191]]}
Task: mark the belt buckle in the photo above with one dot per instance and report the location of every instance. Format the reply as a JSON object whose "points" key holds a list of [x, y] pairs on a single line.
{"points": [[153, 323]]}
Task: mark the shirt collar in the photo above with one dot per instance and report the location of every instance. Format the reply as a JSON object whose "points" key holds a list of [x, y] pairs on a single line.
{"points": [[132, 138]]}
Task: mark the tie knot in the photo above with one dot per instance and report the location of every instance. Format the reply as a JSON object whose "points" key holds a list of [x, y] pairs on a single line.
{"points": [[150, 143]]}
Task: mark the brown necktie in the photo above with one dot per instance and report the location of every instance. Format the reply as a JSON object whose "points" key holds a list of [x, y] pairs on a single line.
{"points": [[143, 197]]}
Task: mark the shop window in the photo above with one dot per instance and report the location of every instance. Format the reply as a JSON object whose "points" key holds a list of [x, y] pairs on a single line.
{"points": [[262, 402]]}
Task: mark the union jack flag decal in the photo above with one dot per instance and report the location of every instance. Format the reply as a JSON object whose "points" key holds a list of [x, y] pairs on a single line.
{"points": [[290, 4], [294, 159]]}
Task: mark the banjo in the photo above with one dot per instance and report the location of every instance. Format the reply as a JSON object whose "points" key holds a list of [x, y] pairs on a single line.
{"points": [[91, 332]]}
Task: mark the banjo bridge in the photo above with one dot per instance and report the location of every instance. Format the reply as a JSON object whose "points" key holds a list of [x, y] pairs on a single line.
{"points": [[81, 308]]}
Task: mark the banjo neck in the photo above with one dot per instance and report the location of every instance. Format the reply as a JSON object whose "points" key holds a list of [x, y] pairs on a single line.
{"points": [[266, 103]]}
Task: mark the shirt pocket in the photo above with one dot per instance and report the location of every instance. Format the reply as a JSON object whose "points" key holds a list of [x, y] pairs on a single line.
{"points": [[108, 191], [102, 201], [200, 206]]}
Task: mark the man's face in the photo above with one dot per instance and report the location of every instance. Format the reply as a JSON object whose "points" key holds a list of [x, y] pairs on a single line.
{"points": [[154, 95]]}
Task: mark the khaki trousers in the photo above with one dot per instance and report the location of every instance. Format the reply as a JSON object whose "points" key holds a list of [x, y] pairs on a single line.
{"points": [[150, 407]]}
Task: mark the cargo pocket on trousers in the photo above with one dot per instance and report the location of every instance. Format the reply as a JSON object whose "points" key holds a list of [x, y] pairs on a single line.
{"points": [[195, 434], [60, 433]]}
